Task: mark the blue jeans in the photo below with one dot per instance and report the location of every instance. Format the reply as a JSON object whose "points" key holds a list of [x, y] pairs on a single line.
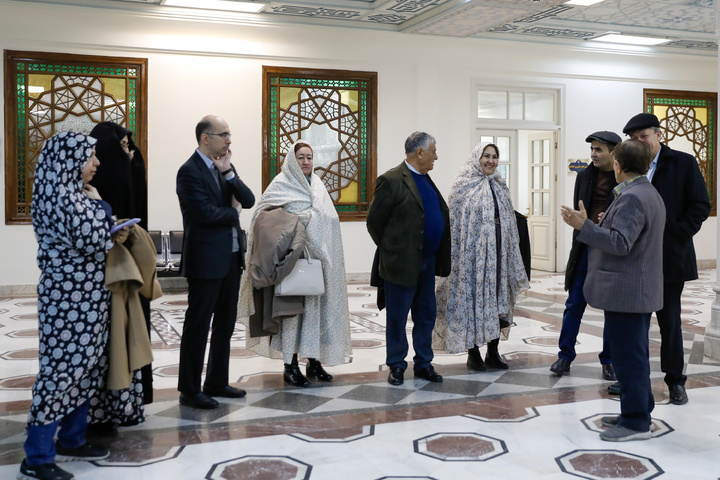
{"points": [[628, 336], [574, 310], [40, 443], [418, 299]]}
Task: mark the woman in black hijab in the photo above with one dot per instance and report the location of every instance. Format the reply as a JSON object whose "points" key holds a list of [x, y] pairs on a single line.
{"points": [[120, 181]]}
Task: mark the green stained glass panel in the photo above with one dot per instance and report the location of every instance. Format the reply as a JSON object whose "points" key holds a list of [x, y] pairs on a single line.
{"points": [[74, 98], [333, 114], [691, 117]]}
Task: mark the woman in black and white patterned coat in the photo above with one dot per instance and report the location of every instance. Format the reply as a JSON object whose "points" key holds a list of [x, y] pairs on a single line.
{"points": [[72, 227]]}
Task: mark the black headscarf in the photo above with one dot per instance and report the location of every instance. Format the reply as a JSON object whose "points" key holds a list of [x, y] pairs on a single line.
{"points": [[119, 180]]}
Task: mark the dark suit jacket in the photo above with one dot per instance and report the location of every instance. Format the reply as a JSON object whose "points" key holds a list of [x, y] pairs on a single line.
{"points": [[584, 190], [682, 187], [624, 264], [396, 222], [208, 218]]}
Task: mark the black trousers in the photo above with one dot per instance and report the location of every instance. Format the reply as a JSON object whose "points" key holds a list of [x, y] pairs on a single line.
{"points": [[627, 335], [216, 300], [672, 354]]}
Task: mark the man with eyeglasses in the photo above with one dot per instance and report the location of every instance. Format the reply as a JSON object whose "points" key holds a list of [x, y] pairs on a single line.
{"points": [[677, 177], [212, 262]]}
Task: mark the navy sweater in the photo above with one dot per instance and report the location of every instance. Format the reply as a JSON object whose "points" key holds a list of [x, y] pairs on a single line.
{"points": [[434, 223]]}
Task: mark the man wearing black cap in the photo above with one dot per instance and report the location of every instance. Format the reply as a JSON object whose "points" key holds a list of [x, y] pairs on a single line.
{"points": [[593, 186], [677, 178]]}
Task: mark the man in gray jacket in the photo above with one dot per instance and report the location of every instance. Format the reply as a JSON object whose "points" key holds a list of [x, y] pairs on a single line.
{"points": [[625, 279]]}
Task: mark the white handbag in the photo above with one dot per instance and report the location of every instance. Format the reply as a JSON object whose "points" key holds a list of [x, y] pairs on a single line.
{"points": [[305, 279]]}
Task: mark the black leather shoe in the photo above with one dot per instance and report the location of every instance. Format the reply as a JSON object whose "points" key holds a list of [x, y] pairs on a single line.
{"points": [[615, 389], [294, 376], [314, 369], [608, 372], [678, 395], [396, 376], [429, 374], [227, 391], [199, 400], [560, 367], [475, 361]]}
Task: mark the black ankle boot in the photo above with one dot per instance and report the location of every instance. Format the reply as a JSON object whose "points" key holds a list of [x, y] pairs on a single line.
{"points": [[293, 375], [475, 361], [493, 358], [314, 369]]}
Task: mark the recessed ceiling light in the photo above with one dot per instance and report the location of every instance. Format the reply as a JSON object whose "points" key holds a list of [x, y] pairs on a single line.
{"points": [[630, 39], [583, 3], [230, 6]]}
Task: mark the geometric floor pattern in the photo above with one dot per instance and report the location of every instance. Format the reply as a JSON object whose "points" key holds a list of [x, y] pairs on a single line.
{"points": [[519, 423]]}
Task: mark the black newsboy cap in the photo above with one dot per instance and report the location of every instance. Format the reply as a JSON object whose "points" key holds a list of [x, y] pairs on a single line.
{"points": [[604, 137], [640, 122]]}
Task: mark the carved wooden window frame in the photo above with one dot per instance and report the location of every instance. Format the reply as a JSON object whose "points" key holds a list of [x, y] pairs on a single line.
{"points": [[684, 123], [27, 127], [357, 156]]}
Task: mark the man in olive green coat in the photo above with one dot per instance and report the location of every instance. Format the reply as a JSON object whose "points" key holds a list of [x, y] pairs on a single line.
{"points": [[409, 222]]}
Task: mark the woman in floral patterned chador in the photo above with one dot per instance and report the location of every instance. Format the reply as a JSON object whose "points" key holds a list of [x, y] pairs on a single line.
{"points": [[72, 227], [475, 303], [322, 332]]}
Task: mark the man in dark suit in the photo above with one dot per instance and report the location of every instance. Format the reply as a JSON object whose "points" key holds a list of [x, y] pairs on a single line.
{"points": [[677, 178], [409, 222], [593, 186], [625, 280], [212, 261]]}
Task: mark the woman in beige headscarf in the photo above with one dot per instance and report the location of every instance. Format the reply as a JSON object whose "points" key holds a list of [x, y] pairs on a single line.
{"points": [[322, 332], [475, 303]]}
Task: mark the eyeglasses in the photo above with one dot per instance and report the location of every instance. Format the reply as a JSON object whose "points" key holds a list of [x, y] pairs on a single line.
{"points": [[224, 135], [125, 144]]}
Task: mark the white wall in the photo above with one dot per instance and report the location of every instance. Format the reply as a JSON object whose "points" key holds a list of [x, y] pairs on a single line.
{"points": [[424, 83]]}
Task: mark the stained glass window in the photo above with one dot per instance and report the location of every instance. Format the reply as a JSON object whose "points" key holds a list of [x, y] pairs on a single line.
{"points": [[689, 124], [48, 93], [335, 112]]}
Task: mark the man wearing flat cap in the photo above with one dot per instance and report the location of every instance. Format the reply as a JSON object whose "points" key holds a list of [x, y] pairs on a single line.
{"points": [[677, 178], [593, 186]]}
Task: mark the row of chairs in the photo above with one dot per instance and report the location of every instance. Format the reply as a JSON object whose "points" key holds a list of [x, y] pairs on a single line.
{"points": [[168, 246]]}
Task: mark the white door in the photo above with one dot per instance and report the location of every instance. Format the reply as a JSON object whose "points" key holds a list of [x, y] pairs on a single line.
{"points": [[542, 150]]}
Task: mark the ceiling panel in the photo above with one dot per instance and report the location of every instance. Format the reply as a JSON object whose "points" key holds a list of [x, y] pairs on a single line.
{"points": [[690, 24]]}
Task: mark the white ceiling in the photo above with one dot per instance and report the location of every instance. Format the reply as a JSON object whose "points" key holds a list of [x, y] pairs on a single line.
{"points": [[689, 23]]}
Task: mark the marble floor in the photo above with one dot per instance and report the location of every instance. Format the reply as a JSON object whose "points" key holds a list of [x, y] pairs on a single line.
{"points": [[520, 423]]}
